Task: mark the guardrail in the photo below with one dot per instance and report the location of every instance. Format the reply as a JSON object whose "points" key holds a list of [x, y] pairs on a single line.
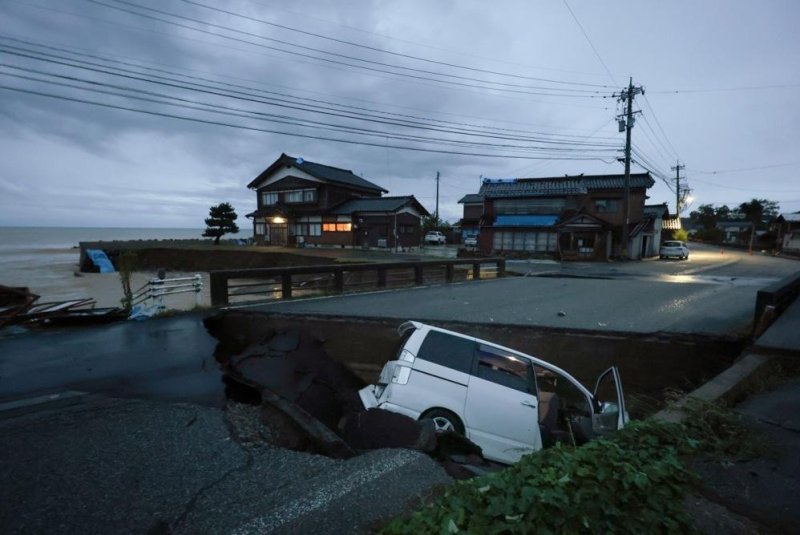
{"points": [[155, 290], [221, 286], [778, 295]]}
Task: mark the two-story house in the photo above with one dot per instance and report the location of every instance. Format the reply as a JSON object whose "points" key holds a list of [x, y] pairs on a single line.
{"points": [[570, 217], [306, 203]]}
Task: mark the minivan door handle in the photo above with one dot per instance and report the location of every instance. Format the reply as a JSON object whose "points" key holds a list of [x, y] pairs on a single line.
{"points": [[528, 404]]}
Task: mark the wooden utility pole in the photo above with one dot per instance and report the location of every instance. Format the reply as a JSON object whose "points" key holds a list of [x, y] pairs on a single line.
{"points": [[436, 214], [627, 95], [677, 170]]}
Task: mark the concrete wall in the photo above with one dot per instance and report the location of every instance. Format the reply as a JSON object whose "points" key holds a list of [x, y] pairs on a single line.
{"points": [[648, 363]]}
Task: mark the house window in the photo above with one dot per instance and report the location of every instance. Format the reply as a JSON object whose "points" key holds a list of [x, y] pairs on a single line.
{"points": [[606, 206], [406, 229], [533, 241], [293, 196], [308, 226], [337, 227], [268, 198], [300, 195], [260, 228]]}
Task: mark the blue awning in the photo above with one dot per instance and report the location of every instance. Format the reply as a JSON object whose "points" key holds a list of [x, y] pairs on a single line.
{"points": [[525, 220]]}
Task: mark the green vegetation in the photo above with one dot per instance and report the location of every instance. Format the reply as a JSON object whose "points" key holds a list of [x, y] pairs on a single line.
{"points": [[221, 221], [126, 265], [634, 482], [680, 235]]}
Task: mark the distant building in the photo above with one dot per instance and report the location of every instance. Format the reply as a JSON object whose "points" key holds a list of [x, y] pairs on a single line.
{"points": [[737, 231], [788, 227], [570, 217], [311, 204]]}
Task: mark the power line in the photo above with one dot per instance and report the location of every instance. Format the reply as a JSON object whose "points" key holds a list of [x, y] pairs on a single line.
{"points": [[496, 86], [743, 169], [567, 137], [757, 188], [727, 89], [383, 50], [658, 124], [239, 112], [586, 35], [255, 98], [280, 132]]}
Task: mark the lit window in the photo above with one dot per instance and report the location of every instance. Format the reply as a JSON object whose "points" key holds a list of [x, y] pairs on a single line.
{"points": [[337, 227]]}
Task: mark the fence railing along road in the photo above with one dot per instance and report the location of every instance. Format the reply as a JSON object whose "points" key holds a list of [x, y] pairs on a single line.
{"points": [[262, 282]]}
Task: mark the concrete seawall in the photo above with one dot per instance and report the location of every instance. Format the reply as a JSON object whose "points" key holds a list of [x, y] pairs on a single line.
{"points": [[649, 363]]}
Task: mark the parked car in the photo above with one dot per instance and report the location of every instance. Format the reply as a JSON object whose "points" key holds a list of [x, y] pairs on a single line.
{"points": [[506, 402], [674, 249], [434, 236], [471, 241]]}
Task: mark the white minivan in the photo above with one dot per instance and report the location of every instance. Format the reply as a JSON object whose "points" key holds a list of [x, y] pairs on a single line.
{"points": [[506, 402]]}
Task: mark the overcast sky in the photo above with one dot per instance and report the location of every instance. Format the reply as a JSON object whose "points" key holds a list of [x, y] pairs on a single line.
{"points": [[492, 89]]}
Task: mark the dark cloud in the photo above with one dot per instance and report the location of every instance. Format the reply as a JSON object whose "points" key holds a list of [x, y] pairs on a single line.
{"points": [[61, 157]]}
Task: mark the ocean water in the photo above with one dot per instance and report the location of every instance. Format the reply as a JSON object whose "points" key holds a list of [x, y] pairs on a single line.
{"points": [[45, 259]]}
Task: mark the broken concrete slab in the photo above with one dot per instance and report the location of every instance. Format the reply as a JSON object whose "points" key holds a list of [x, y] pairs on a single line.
{"points": [[378, 428]]}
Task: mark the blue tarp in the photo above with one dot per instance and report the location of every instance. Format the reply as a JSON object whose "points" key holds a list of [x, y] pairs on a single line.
{"points": [[99, 259], [525, 220]]}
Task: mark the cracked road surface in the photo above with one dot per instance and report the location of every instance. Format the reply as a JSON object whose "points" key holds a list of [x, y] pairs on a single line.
{"points": [[90, 464]]}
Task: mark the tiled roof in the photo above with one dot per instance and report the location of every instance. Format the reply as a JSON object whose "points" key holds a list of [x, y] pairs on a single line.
{"points": [[378, 204], [560, 186], [471, 198], [325, 173], [532, 187], [794, 218]]}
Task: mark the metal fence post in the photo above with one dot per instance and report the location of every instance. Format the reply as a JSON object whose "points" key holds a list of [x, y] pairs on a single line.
{"points": [[476, 271], [198, 288], [501, 267], [219, 289]]}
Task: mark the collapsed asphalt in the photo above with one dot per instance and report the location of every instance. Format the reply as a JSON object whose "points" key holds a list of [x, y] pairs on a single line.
{"points": [[314, 400]]}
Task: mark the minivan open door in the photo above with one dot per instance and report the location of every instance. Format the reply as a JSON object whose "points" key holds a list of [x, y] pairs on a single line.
{"points": [[609, 403]]}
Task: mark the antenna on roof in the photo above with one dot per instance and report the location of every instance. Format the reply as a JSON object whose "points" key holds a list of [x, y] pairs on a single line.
{"points": [[300, 161]]}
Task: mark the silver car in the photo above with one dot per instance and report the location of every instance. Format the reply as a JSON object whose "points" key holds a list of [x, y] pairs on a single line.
{"points": [[675, 249]]}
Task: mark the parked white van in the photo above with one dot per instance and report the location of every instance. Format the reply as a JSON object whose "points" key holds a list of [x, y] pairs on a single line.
{"points": [[506, 402]]}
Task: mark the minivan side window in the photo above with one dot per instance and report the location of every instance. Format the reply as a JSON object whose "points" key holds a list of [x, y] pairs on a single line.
{"points": [[504, 369], [447, 350]]}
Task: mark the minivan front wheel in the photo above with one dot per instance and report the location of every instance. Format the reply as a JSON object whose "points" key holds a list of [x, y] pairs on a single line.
{"points": [[444, 420]]}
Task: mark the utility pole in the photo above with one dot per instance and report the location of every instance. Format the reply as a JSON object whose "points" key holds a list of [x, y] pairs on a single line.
{"points": [[677, 170], [627, 95], [436, 213]]}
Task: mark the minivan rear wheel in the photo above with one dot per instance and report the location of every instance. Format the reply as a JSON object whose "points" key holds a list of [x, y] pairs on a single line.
{"points": [[444, 420]]}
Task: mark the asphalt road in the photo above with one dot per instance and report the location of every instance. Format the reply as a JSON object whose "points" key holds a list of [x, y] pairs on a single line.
{"points": [[711, 293], [168, 358], [109, 466]]}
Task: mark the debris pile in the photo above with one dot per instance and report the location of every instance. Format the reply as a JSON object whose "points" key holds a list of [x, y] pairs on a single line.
{"points": [[310, 402]]}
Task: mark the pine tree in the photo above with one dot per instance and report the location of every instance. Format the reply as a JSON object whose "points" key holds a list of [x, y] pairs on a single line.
{"points": [[221, 221]]}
